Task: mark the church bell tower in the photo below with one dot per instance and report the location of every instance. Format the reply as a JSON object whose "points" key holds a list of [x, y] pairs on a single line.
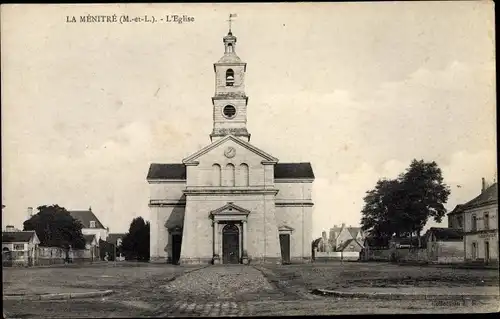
{"points": [[230, 101]]}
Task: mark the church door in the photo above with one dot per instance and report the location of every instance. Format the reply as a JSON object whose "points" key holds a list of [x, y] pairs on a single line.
{"points": [[285, 248], [230, 244], [176, 248]]}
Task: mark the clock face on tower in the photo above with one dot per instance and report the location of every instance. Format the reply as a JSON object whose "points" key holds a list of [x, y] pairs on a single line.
{"points": [[229, 111], [230, 152]]}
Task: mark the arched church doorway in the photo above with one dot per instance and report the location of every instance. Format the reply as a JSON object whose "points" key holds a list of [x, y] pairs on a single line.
{"points": [[230, 244]]}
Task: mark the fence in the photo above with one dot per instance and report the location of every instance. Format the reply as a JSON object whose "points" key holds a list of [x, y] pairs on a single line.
{"points": [[45, 256], [336, 255]]}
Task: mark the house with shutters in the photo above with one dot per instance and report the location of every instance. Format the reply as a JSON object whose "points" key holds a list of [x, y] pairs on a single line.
{"points": [[480, 221]]}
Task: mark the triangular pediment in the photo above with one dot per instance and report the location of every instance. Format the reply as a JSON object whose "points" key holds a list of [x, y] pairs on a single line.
{"points": [[285, 228], [230, 209], [265, 156]]}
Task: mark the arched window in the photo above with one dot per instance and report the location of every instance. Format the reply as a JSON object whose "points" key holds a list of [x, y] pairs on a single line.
{"points": [[244, 175], [216, 175], [230, 172], [229, 77]]}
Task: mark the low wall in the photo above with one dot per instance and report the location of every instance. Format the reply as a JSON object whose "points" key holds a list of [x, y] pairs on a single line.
{"points": [[412, 255], [435, 253], [45, 256], [450, 252], [376, 255], [324, 256]]}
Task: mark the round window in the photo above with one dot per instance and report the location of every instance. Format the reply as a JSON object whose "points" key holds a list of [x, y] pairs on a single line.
{"points": [[229, 111]]}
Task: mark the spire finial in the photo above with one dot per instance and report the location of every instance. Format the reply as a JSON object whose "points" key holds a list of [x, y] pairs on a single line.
{"points": [[231, 15]]}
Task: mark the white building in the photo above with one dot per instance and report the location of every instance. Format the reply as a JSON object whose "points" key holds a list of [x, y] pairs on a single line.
{"points": [[230, 202]]}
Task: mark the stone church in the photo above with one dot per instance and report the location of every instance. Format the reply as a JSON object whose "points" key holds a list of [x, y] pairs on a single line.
{"points": [[230, 202]]}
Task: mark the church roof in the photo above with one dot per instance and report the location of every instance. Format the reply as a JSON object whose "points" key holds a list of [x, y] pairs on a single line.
{"points": [[293, 170], [178, 171], [167, 171]]}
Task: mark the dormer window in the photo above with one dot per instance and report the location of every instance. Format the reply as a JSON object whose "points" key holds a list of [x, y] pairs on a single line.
{"points": [[229, 77], [92, 224]]}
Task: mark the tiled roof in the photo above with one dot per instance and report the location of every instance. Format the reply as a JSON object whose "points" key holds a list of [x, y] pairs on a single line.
{"points": [[178, 171], [17, 236], [447, 234], [347, 243], [354, 231], [457, 210], [293, 170], [85, 216], [488, 196], [167, 171], [112, 238]]}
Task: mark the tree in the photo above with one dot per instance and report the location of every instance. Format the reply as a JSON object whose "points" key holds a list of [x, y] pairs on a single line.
{"points": [[136, 242], [382, 209], [55, 227], [426, 194], [403, 206]]}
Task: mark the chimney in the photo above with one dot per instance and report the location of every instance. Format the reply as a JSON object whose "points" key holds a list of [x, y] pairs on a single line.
{"points": [[483, 186], [334, 226], [30, 212], [9, 228], [343, 225]]}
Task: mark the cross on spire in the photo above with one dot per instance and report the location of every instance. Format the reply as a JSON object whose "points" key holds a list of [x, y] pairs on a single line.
{"points": [[231, 15]]}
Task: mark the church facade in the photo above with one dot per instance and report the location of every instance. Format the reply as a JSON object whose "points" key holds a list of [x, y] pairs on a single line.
{"points": [[230, 202]]}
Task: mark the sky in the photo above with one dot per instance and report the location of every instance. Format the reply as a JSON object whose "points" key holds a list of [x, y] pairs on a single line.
{"points": [[357, 89]]}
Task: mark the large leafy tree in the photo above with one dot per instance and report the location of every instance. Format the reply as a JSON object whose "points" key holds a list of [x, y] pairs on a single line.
{"points": [[55, 227], [425, 195], [403, 206], [135, 243], [380, 214]]}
